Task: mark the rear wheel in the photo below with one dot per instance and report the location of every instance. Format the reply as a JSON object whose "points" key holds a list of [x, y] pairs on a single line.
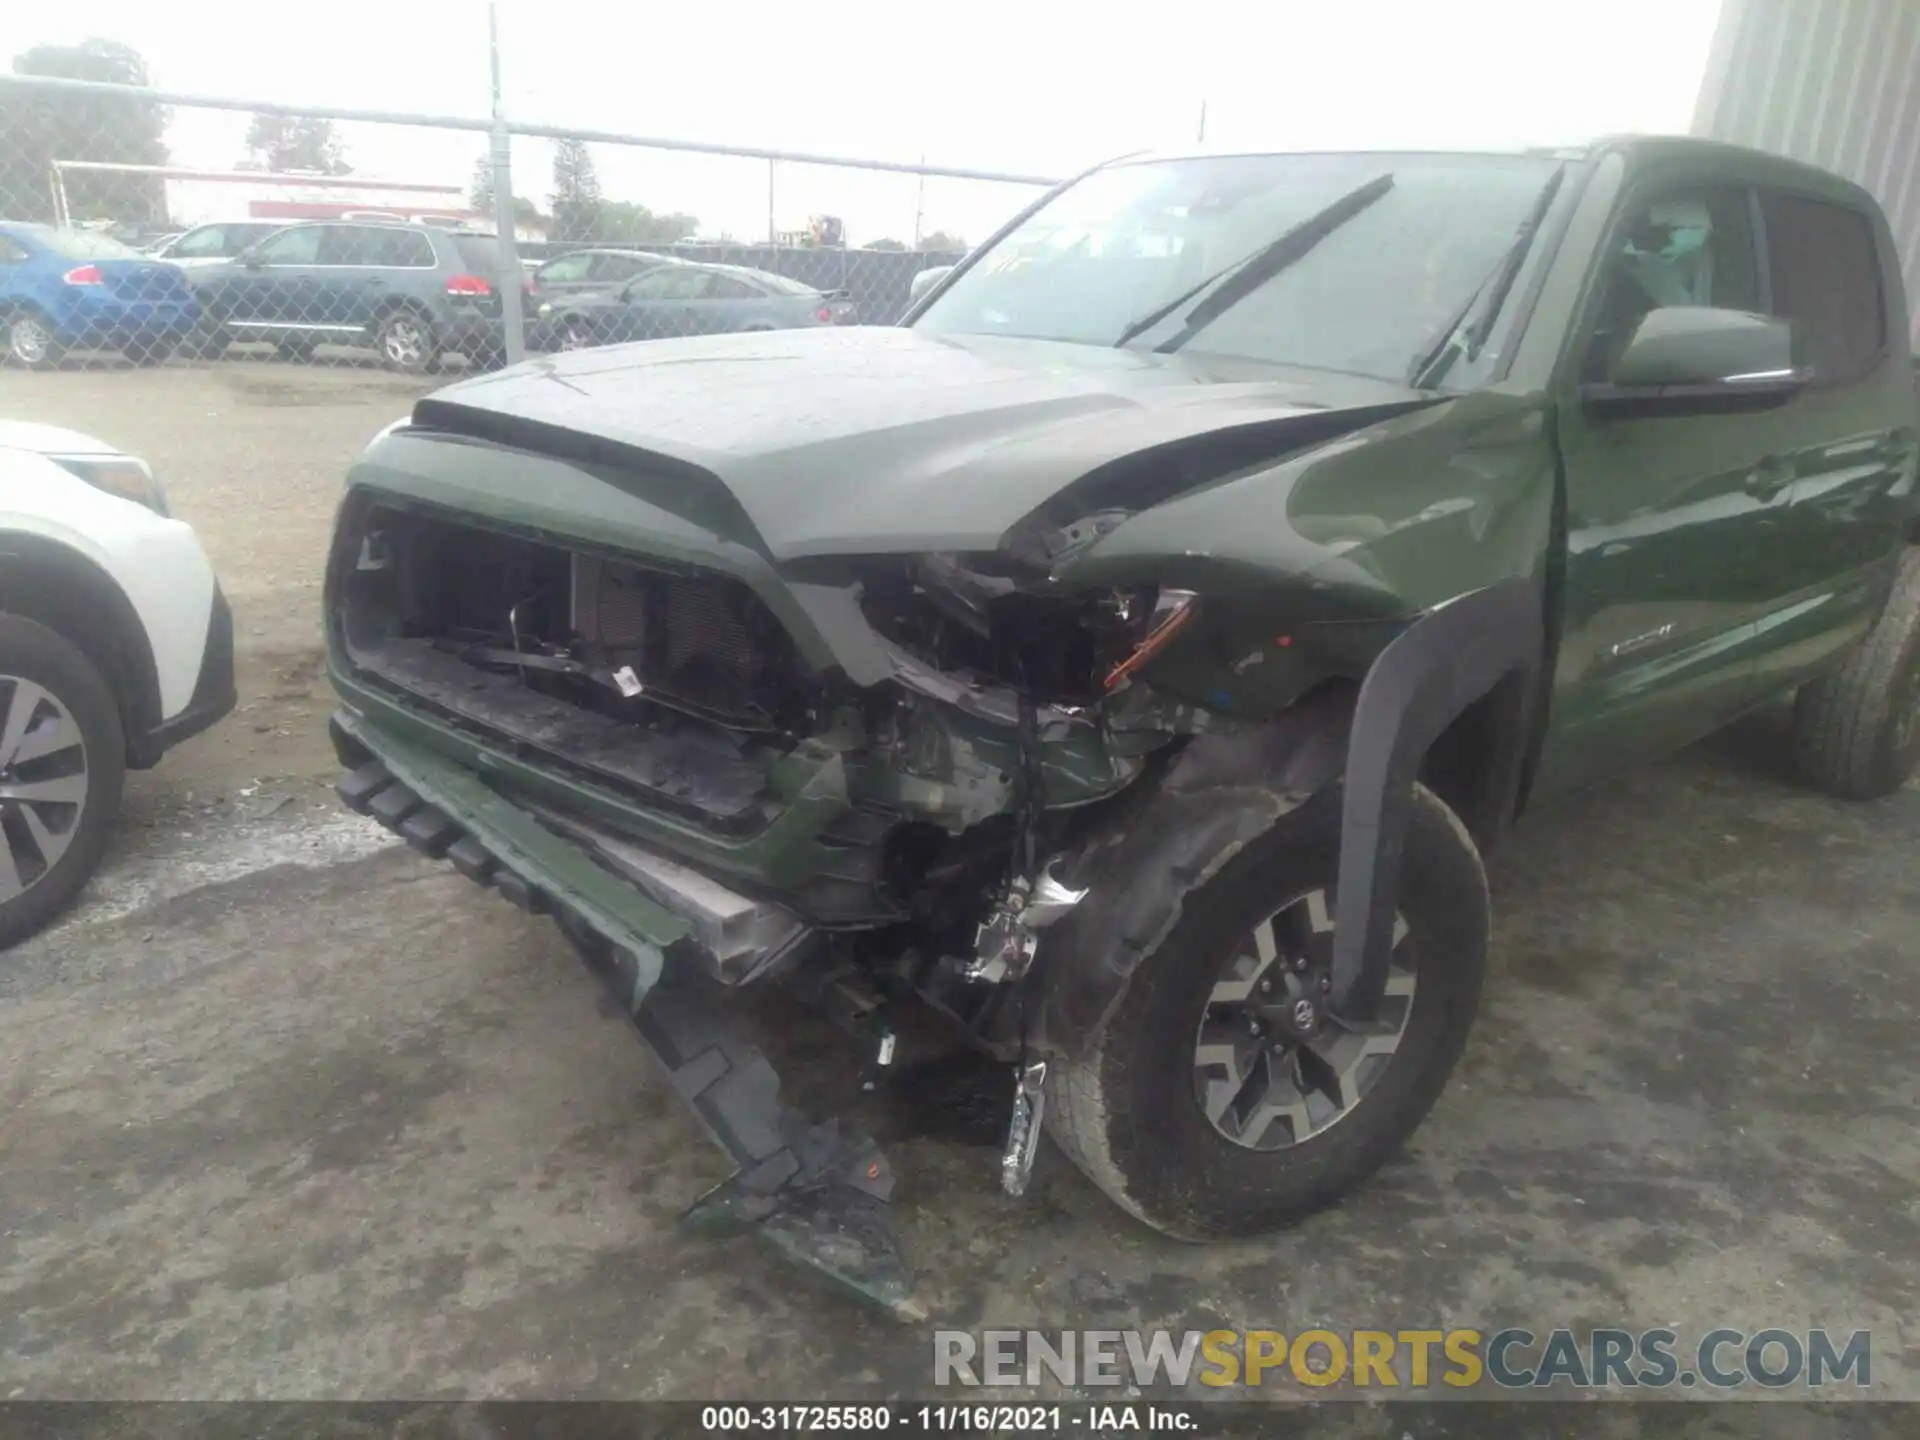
{"points": [[62, 764], [1856, 730], [32, 342], [1222, 1098], [407, 343], [576, 334]]}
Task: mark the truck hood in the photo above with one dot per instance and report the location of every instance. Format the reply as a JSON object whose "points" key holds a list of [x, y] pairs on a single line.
{"points": [[869, 440]]}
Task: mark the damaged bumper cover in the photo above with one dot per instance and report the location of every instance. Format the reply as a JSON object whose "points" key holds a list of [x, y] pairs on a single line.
{"points": [[666, 941]]}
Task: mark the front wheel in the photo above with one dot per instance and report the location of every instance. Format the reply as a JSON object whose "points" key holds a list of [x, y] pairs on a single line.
{"points": [[1222, 1099], [62, 764], [406, 342], [31, 341]]}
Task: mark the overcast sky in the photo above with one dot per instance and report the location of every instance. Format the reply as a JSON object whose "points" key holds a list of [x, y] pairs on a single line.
{"points": [[1027, 86]]}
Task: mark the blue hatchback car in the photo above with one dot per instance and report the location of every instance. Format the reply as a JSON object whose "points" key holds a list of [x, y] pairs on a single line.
{"points": [[66, 290]]}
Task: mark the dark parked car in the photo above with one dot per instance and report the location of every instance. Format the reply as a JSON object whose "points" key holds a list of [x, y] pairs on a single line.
{"points": [[412, 291], [680, 298], [66, 290], [210, 244], [581, 270], [1130, 656]]}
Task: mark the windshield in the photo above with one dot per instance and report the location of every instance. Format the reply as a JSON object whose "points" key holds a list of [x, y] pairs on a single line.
{"points": [[1368, 297], [82, 244]]}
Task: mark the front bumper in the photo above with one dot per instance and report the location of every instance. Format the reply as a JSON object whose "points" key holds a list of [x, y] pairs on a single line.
{"points": [[214, 692], [666, 942]]}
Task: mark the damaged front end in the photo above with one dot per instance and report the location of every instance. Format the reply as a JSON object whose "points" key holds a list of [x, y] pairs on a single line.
{"points": [[728, 731], [639, 748]]}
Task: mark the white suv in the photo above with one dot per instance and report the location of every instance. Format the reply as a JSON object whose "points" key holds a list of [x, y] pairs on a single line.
{"points": [[115, 643]]}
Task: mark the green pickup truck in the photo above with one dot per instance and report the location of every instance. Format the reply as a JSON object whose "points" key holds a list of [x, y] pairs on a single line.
{"points": [[1128, 659]]}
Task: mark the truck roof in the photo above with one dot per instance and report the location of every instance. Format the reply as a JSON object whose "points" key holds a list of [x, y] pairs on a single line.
{"points": [[1637, 148]]}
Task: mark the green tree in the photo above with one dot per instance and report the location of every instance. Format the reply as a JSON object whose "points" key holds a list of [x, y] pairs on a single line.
{"points": [[296, 142], [886, 244], [577, 202], [38, 127], [624, 223], [480, 194], [941, 241]]}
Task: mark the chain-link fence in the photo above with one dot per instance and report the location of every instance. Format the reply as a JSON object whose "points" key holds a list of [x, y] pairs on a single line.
{"points": [[358, 236]]}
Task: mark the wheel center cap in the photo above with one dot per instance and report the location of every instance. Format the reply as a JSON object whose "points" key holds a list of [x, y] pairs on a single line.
{"points": [[1303, 1015]]}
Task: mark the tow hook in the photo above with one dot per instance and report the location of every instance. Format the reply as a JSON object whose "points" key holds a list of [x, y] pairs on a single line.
{"points": [[1023, 1129], [1005, 943]]}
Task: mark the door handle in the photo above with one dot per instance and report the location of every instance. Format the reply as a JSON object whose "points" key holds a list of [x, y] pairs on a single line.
{"points": [[1768, 478]]}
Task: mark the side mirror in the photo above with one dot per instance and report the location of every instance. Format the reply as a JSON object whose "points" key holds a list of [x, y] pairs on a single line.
{"points": [[1697, 360], [926, 280], [250, 260]]}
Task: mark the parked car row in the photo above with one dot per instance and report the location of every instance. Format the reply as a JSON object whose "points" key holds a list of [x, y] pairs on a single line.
{"points": [[413, 292]]}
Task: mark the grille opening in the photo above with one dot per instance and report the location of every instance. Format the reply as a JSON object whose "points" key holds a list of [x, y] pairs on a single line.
{"points": [[623, 639]]}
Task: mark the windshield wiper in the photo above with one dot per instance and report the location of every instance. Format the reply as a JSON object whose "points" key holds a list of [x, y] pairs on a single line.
{"points": [[1249, 273], [1461, 339]]}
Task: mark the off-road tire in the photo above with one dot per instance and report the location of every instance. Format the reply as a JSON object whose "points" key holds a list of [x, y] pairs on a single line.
{"points": [[32, 652], [1125, 1111], [1856, 730]]}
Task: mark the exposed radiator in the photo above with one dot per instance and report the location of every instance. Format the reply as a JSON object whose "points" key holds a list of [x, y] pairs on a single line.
{"points": [[679, 625]]}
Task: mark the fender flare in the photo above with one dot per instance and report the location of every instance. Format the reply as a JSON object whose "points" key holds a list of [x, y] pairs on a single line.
{"points": [[1225, 790], [1434, 669]]}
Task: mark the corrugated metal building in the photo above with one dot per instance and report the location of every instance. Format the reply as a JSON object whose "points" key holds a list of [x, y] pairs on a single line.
{"points": [[1833, 82]]}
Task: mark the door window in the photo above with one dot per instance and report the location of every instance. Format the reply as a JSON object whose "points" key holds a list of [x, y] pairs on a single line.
{"points": [[565, 271], [669, 283], [1825, 270], [300, 246], [612, 269], [1687, 247], [210, 242]]}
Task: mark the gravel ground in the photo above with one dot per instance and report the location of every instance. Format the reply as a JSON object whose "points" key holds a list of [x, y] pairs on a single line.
{"points": [[292, 1113]]}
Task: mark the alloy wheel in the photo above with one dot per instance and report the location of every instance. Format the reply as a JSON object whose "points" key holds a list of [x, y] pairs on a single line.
{"points": [[1271, 1065], [404, 342], [43, 783], [28, 339]]}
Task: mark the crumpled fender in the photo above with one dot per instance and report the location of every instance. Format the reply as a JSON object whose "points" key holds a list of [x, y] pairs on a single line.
{"points": [[1225, 789], [1221, 792]]}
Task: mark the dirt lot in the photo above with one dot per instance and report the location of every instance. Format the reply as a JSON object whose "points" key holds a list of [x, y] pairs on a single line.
{"points": [[289, 1112]]}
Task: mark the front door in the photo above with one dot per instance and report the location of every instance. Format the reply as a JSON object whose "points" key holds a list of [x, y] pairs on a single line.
{"points": [[260, 297], [1675, 526]]}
